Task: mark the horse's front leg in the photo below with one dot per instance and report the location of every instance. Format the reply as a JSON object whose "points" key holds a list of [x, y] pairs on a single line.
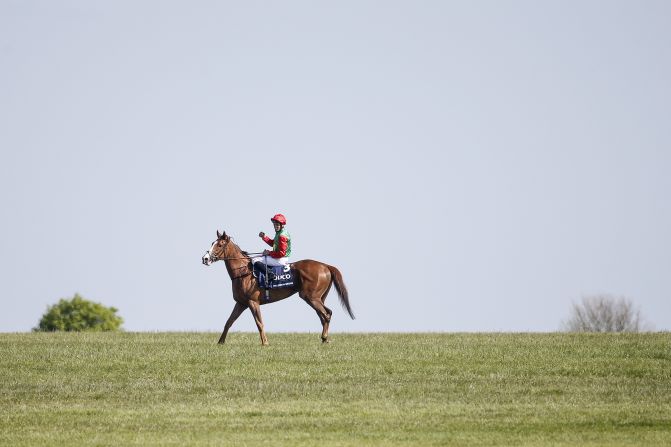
{"points": [[256, 311], [237, 310]]}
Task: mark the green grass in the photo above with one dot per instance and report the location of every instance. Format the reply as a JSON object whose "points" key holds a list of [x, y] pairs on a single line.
{"points": [[362, 389]]}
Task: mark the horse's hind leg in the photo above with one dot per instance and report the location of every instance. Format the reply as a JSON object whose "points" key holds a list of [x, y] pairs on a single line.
{"points": [[329, 312], [324, 314], [325, 324]]}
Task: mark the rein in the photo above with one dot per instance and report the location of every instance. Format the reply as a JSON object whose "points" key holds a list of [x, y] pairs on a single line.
{"points": [[245, 257], [231, 259], [228, 258]]}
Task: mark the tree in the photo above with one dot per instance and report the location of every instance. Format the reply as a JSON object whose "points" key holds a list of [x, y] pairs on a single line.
{"points": [[79, 314], [604, 313]]}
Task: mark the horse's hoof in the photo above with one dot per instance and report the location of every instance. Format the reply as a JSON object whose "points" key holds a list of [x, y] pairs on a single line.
{"points": [[326, 340]]}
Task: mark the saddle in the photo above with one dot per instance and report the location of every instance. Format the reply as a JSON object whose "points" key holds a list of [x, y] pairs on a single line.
{"points": [[277, 277]]}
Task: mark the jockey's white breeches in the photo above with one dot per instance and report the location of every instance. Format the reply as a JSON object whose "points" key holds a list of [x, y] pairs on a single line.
{"points": [[269, 260]]}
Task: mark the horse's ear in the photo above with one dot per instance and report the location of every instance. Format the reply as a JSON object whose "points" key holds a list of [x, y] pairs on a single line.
{"points": [[219, 234], [225, 236]]}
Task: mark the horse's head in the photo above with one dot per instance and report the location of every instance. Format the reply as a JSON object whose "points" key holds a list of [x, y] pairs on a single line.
{"points": [[218, 249]]}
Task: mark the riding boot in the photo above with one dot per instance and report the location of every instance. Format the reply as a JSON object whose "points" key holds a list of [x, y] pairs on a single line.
{"points": [[260, 266]]}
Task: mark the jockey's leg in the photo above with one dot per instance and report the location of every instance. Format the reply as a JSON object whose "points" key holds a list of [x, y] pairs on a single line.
{"points": [[270, 261]]}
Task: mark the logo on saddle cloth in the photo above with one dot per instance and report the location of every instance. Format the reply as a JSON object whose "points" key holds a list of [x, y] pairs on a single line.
{"points": [[278, 276]]}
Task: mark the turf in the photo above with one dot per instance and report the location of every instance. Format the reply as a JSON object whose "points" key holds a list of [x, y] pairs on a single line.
{"points": [[362, 389]]}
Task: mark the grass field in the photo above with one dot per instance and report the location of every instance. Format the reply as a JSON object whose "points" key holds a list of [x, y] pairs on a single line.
{"points": [[362, 389]]}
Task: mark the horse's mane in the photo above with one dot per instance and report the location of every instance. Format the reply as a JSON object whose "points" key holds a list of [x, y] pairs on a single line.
{"points": [[242, 252]]}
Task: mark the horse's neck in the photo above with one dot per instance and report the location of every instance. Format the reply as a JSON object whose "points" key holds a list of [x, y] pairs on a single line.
{"points": [[235, 260]]}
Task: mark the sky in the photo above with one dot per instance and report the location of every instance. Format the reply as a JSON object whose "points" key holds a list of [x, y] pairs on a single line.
{"points": [[467, 165]]}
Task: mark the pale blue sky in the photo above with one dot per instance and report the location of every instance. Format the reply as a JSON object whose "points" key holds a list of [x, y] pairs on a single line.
{"points": [[469, 166]]}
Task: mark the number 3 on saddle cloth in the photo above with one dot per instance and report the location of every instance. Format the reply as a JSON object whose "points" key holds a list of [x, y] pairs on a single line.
{"points": [[278, 276]]}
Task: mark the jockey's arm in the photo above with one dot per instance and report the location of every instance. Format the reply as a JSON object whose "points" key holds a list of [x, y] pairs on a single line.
{"points": [[267, 240]]}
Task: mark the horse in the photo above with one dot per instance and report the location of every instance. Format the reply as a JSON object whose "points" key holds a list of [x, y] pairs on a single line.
{"points": [[313, 280]]}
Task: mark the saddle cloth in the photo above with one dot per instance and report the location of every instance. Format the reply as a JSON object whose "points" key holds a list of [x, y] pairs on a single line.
{"points": [[278, 276]]}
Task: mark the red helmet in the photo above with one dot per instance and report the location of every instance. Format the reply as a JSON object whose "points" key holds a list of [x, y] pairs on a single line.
{"points": [[279, 219]]}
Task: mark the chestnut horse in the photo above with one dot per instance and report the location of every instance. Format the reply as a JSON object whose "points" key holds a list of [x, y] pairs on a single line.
{"points": [[313, 281]]}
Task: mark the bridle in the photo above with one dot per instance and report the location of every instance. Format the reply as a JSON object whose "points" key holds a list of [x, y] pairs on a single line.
{"points": [[214, 258]]}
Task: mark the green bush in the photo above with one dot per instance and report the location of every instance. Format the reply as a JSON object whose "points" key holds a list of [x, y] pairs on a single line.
{"points": [[79, 314]]}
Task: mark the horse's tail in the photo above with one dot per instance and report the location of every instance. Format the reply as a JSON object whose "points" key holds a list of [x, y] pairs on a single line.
{"points": [[336, 277]]}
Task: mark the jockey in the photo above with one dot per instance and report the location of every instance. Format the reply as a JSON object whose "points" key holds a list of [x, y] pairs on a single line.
{"points": [[281, 244]]}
